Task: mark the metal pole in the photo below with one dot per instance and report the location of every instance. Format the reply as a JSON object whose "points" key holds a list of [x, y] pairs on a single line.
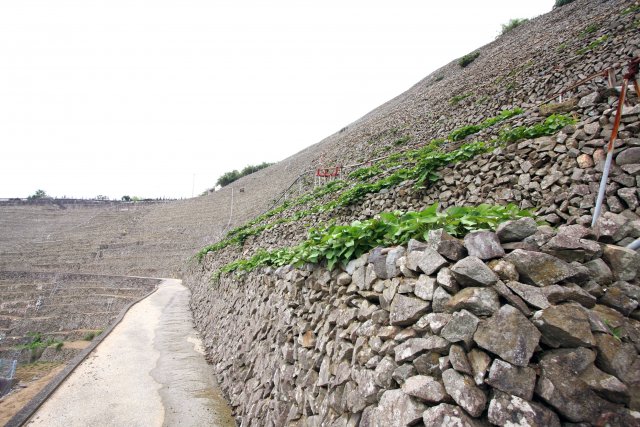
{"points": [[635, 245], [607, 165]]}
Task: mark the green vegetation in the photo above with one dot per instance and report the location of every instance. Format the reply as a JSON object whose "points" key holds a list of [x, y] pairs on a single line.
{"points": [[440, 77], [417, 165], [456, 99], [562, 3], [461, 133], [594, 44], [631, 9], [561, 47], [89, 336], [234, 175], [342, 243], [590, 29], [616, 332], [39, 194], [551, 125], [37, 342], [402, 140], [513, 23], [468, 59]]}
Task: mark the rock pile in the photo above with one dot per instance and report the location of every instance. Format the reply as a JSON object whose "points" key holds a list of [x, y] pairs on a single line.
{"points": [[525, 326]]}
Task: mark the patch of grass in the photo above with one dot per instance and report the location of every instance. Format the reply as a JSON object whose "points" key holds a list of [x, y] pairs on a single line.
{"points": [[594, 44], [590, 29], [37, 342], [468, 59], [456, 99], [513, 23], [561, 47], [461, 133], [439, 78], [402, 140], [631, 9]]}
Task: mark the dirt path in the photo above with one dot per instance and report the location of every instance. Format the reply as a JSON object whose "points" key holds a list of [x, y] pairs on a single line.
{"points": [[150, 371]]}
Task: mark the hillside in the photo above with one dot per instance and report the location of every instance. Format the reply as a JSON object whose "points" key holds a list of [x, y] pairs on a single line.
{"points": [[389, 295]]}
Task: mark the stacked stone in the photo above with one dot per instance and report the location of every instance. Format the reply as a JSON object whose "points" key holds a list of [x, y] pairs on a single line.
{"points": [[525, 326]]}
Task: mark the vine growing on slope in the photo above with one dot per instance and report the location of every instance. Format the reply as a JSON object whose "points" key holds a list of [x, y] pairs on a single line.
{"points": [[341, 243]]}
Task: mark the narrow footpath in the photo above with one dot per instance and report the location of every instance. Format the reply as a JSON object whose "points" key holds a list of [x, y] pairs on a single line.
{"points": [[150, 371]]}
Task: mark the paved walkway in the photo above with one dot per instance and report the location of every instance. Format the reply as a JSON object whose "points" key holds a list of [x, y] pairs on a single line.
{"points": [[150, 371]]}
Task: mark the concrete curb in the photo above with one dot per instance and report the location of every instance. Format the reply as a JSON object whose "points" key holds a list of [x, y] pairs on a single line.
{"points": [[30, 408]]}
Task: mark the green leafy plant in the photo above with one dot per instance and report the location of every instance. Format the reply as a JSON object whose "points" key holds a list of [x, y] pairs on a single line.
{"points": [[513, 23], [39, 194], [616, 332], [551, 125], [341, 243], [37, 342], [468, 59]]}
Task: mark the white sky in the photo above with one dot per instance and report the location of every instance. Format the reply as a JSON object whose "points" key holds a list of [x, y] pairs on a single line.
{"points": [[135, 97]]}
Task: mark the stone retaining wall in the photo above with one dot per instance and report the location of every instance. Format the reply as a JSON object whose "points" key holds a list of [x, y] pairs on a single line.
{"points": [[526, 325]]}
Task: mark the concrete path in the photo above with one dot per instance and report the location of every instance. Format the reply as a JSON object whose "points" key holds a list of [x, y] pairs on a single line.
{"points": [[150, 371]]}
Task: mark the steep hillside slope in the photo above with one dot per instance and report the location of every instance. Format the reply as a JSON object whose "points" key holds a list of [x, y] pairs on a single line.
{"points": [[530, 325]]}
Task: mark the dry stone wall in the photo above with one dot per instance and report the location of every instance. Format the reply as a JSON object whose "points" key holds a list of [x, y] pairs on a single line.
{"points": [[525, 326]]}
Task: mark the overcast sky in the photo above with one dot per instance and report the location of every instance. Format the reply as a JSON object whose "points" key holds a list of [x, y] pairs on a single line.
{"points": [[134, 97]]}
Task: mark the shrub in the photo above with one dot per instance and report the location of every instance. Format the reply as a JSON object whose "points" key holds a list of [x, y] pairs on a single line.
{"points": [[468, 59], [562, 3], [234, 175], [39, 194], [512, 24]]}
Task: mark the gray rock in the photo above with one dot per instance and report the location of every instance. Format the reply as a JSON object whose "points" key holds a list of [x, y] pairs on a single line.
{"points": [[403, 372], [413, 347], [447, 415], [396, 409], [356, 263], [459, 361], [569, 395], [446, 245], [427, 261], [424, 287], [570, 248], [405, 311], [384, 372], [446, 279], [479, 301], [616, 298], [440, 298], [425, 388], [628, 156], [589, 100], [461, 327], [570, 292], [509, 335], [516, 230], [605, 385], [564, 325], [437, 321], [464, 392], [611, 227], [540, 269], [471, 271], [504, 269], [624, 262], [483, 244], [367, 387], [506, 411], [480, 362], [391, 261], [511, 298], [428, 364], [516, 380], [531, 294], [415, 245], [614, 357]]}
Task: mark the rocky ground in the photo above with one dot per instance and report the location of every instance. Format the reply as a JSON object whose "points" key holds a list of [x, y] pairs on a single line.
{"points": [[523, 326]]}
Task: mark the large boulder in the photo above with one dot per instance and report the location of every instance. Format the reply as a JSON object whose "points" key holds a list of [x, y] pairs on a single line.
{"points": [[406, 310], [483, 244], [396, 408], [509, 335], [506, 410], [471, 271], [540, 269], [564, 325]]}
